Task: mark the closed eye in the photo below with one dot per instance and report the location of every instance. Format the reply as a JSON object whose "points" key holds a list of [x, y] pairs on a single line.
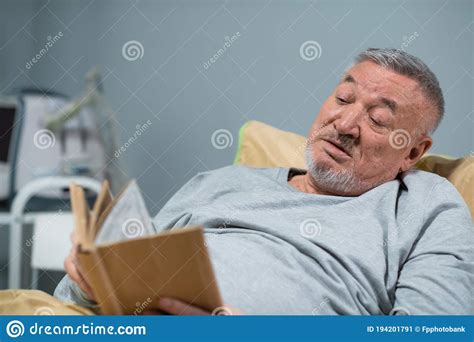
{"points": [[375, 122], [341, 100]]}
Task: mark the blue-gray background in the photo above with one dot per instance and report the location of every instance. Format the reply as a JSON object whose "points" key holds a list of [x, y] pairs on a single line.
{"points": [[261, 76]]}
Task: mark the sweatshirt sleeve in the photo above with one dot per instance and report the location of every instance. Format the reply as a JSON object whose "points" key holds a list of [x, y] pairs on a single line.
{"points": [[69, 291], [437, 277], [177, 211]]}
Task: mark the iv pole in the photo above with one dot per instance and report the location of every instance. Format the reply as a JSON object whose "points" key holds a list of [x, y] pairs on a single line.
{"points": [[105, 121]]}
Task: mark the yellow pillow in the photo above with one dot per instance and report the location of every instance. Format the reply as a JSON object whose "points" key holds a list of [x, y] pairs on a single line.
{"points": [[261, 145], [35, 302]]}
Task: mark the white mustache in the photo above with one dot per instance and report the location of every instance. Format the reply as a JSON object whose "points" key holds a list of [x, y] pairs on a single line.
{"points": [[345, 140]]}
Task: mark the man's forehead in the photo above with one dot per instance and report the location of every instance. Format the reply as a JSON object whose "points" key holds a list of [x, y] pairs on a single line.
{"points": [[378, 80]]}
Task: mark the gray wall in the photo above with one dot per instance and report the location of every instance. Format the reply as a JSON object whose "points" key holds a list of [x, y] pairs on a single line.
{"points": [[261, 76], [17, 42]]}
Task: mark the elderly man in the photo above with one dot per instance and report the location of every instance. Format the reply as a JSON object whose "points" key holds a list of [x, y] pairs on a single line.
{"points": [[358, 233]]}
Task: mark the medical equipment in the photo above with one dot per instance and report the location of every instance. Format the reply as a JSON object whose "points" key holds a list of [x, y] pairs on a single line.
{"points": [[42, 134], [93, 99], [47, 142], [8, 112]]}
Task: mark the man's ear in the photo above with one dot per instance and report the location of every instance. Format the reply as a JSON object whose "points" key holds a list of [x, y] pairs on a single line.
{"points": [[417, 151]]}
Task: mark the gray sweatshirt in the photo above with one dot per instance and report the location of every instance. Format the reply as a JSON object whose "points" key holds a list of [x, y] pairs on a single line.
{"points": [[404, 247]]}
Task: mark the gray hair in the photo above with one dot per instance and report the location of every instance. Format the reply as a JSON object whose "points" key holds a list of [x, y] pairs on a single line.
{"points": [[408, 65]]}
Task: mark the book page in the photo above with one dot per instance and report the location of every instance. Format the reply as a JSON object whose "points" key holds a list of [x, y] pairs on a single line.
{"points": [[80, 211], [128, 219], [103, 200]]}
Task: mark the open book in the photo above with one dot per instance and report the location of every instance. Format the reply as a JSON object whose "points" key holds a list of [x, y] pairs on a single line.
{"points": [[128, 265]]}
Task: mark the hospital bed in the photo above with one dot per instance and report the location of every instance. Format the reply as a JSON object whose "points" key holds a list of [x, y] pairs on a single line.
{"points": [[260, 145]]}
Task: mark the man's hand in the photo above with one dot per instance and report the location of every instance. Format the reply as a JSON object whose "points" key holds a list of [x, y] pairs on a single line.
{"points": [[72, 269], [167, 305], [176, 307]]}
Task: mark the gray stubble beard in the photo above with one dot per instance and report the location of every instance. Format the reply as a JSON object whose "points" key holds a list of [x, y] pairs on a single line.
{"points": [[337, 181]]}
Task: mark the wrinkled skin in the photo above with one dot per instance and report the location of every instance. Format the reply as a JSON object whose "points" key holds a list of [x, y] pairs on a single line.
{"points": [[381, 141]]}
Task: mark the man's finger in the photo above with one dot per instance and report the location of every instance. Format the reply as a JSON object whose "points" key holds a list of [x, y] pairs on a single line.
{"points": [[85, 285], [153, 312], [177, 307], [72, 237], [72, 271]]}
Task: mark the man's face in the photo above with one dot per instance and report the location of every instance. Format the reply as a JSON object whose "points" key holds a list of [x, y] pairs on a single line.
{"points": [[367, 131]]}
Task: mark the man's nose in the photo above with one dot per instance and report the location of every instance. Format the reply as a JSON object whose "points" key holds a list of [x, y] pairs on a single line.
{"points": [[348, 123]]}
